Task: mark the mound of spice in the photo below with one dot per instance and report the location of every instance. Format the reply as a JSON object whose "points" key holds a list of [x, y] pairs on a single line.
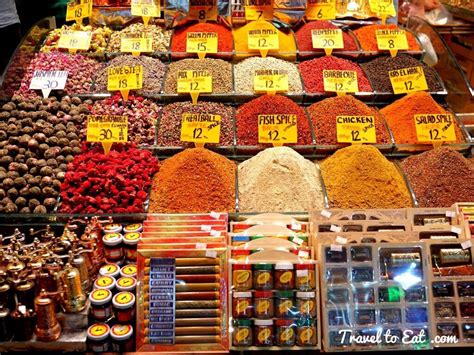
{"points": [[142, 115], [312, 73], [80, 70], [169, 131], [279, 180], [220, 70], [100, 37], [247, 118], [368, 41], [113, 183], [305, 42], [377, 72], [359, 176], [153, 72], [194, 181], [440, 177], [224, 37], [38, 138], [244, 73], [324, 115], [400, 116], [286, 40], [161, 37]]}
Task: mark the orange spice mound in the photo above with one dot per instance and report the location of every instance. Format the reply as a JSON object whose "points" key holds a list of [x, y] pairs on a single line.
{"points": [[194, 181], [368, 40]]}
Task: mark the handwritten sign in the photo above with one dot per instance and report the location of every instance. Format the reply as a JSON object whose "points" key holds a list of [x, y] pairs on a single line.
{"points": [[200, 128], [107, 129], [277, 129], [124, 79], [408, 80], [258, 10], [435, 128], [203, 10], [201, 43], [47, 80], [263, 40], [340, 81], [321, 10], [392, 40], [75, 40], [270, 81], [78, 10], [145, 9], [194, 82], [356, 129], [136, 44], [327, 39]]}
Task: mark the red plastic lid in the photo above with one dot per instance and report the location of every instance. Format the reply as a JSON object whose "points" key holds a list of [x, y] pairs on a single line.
{"points": [[285, 322], [304, 266], [242, 267], [240, 252], [263, 294]]}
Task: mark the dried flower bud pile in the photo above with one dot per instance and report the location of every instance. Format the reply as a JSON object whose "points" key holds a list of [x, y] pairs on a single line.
{"points": [[114, 183], [161, 37]]}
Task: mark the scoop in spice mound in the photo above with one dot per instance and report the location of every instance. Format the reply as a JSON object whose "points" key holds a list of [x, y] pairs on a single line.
{"points": [[279, 180], [194, 181], [359, 176], [440, 177]]}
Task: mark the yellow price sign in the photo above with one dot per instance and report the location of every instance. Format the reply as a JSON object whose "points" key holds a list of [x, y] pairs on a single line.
{"points": [[270, 81], [203, 10], [383, 8], [327, 39], [77, 10], [392, 40], [258, 10], [107, 129], [321, 10], [201, 43], [124, 79], [194, 82], [146, 9], [200, 128], [356, 129], [435, 128], [75, 40], [408, 80], [340, 81], [277, 129], [263, 40], [136, 44]]}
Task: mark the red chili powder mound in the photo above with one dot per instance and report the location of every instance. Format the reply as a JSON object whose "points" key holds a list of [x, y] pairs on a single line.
{"points": [[324, 114], [440, 177], [368, 40], [312, 72], [224, 36], [247, 118], [305, 42], [194, 181]]}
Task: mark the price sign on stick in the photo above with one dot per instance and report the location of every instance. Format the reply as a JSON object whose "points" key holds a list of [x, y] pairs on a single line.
{"points": [[327, 39], [200, 128], [124, 79], [201, 43], [263, 40], [277, 129], [270, 81], [392, 40], [356, 129], [194, 82], [408, 80], [146, 9], [321, 10], [75, 40], [340, 81], [136, 44], [107, 129], [383, 8], [258, 10], [47, 80], [77, 10], [435, 128], [203, 12]]}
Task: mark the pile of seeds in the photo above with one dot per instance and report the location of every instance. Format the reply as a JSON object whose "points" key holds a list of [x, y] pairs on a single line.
{"points": [[161, 38]]}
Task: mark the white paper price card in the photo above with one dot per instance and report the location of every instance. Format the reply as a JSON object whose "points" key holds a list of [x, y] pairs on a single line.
{"points": [[341, 240], [215, 215], [335, 228], [466, 244], [201, 245], [211, 254], [326, 213], [303, 254], [456, 230], [336, 247], [47, 80], [206, 228], [297, 240]]}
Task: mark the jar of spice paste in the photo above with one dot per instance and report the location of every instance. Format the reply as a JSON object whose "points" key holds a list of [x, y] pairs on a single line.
{"points": [[112, 270], [284, 304], [242, 277], [263, 334], [129, 270], [113, 250], [105, 282], [112, 228], [242, 335], [285, 332], [284, 278], [122, 340], [306, 332], [101, 304], [305, 277], [98, 338], [263, 277], [124, 306], [263, 304], [130, 241], [306, 304], [127, 284], [242, 305]]}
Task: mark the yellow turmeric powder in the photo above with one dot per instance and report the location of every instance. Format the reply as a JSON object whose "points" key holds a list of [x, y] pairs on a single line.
{"points": [[359, 176]]}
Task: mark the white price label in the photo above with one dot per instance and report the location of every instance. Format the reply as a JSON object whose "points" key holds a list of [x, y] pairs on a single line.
{"points": [[450, 214], [295, 226], [298, 241], [211, 254], [215, 233], [336, 247], [206, 228], [466, 244], [335, 228], [303, 254], [341, 240], [326, 213], [456, 230], [215, 215], [201, 245], [301, 273], [47, 80]]}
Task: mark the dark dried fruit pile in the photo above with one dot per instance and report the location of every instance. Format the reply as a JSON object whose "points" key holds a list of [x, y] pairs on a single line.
{"points": [[114, 183], [38, 138]]}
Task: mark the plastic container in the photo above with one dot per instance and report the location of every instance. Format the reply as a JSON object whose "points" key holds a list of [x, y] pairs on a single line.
{"points": [[284, 276], [124, 306], [98, 340], [101, 304], [263, 277]]}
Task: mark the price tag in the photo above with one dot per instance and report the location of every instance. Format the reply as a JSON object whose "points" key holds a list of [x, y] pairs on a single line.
{"points": [[456, 230], [146, 9], [336, 247], [194, 82], [263, 40], [326, 213], [341, 240], [408, 80], [75, 40], [277, 129], [321, 10], [215, 215], [327, 39], [136, 44], [258, 10], [382, 7], [47, 80], [107, 129], [124, 79], [340, 81], [200, 128], [201, 43], [392, 40], [78, 10], [335, 228], [435, 128], [356, 129], [203, 10], [270, 81], [466, 244]]}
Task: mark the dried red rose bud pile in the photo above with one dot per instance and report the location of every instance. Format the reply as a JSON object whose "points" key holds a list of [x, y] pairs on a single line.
{"points": [[114, 183]]}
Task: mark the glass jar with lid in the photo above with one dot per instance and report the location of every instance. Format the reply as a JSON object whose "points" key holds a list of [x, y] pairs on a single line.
{"points": [[263, 276], [242, 277], [263, 304], [305, 277], [285, 332], [263, 332], [306, 304], [242, 335], [98, 340], [284, 276]]}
